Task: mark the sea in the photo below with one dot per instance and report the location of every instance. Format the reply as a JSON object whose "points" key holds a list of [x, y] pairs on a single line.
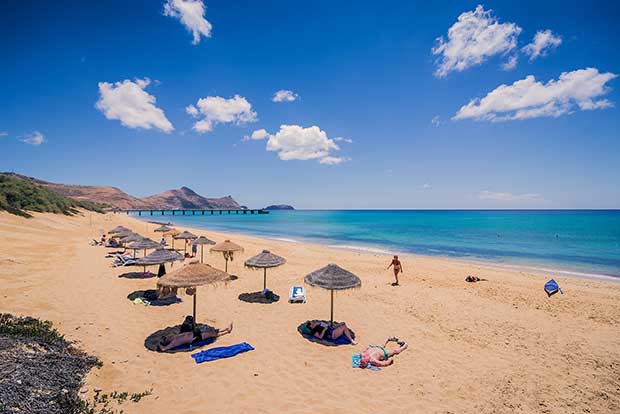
{"points": [[571, 242]]}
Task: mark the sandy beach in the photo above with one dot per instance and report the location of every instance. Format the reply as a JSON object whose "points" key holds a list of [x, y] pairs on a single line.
{"points": [[497, 346]]}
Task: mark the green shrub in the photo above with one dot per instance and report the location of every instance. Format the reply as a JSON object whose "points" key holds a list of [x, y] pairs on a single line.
{"points": [[19, 196]]}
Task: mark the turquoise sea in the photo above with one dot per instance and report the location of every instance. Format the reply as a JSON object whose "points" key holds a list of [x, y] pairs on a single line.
{"points": [[576, 241]]}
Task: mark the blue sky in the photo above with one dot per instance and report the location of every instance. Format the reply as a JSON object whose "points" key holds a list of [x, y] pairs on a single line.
{"points": [[100, 93]]}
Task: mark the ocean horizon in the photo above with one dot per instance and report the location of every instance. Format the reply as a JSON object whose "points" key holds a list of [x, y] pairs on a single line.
{"points": [[574, 242]]}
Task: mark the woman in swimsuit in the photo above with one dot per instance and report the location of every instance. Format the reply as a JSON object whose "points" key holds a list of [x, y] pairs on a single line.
{"points": [[200, 333], [379, 355], [324, 331], [398, 268]]}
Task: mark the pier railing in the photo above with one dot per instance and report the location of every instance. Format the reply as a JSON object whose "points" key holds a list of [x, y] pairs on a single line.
{"points": [[190, 212]]}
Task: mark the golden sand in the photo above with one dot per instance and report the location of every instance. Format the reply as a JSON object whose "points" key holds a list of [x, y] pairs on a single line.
{"points": [[496, 346]]}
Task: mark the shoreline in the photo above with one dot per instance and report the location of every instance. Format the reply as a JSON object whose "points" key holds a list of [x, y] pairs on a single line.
{"points": [[537, 269], [495, 334]]}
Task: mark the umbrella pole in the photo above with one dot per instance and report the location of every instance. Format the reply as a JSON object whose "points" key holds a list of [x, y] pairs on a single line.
{"points": [[134, 253], [202, 247], [194, 313], [264, 278], [226, 268], [331, 317]]}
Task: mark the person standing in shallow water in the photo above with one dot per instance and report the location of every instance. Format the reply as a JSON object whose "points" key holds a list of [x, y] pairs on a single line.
{"points": [[398, 268]]}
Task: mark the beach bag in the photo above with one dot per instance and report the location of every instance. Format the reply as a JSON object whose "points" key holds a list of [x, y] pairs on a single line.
{"points": [[552, 287]]}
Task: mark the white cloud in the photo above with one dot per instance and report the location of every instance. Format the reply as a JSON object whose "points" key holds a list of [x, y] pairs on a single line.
{"points": [[3, 134], [128, 102], [284, 95], [191, 109], [511, 63], [343, 139], [436, 120], [544, 40], [507, 197], [329, 160], [257, 135], [192, 14], [36, 138], [426, 186], [293, 142], [528, 98], [476, 36], [217, 110]]}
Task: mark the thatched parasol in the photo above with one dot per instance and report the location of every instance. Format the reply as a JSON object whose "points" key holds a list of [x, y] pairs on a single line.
{"points": [[186, 235], [193, 275], [265, 260], [158, 257], [227, 248], [122, 233], [162, 229], [201, 241], [143, 244], [118, 229], [172, 232], [333, 277]]}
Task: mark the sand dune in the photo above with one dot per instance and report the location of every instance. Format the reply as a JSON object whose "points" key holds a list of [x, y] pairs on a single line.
{"points": [[496, 346]]}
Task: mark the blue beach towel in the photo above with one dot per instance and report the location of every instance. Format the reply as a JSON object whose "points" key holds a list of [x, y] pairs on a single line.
{"points": [[356, 359], [221, 352], [552, 287]]}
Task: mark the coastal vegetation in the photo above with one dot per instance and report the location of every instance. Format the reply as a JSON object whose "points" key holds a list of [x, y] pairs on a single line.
{"points": [[43, 372], [20, 197]]}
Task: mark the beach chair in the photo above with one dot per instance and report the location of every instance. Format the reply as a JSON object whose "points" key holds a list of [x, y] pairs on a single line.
{"points": [[121, 260], [552, 287], [297, 295]]}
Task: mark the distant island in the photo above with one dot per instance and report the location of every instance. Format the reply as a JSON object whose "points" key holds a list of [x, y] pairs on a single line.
{"points": [[280, 207]]}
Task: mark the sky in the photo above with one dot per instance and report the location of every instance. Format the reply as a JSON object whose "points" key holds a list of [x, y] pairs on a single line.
{"points": [[321, 104]]}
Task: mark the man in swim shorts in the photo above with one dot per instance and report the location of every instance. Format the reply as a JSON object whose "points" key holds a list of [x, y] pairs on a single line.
{"points": [[379, 355]]}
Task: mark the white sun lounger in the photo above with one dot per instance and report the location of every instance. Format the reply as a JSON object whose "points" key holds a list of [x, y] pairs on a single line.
{"points": [[297, 294]]}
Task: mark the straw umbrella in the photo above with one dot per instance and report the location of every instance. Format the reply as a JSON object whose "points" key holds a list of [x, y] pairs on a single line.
{"points": [[143, 244], [265, 260], [333, 277], [186, 235], [191, 276], [162, 229], [202, 240], [158, 257], [227, 248], [118, 229], [172, 232]]}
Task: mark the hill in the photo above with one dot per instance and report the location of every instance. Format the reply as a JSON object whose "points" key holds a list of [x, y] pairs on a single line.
{"points": [[280, 207], [20, 196], [186, 198], [183, 197]]}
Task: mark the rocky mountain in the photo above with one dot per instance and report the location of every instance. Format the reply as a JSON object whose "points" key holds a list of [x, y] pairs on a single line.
{"points": [[186, 198], [183, 197], [280, 207]]}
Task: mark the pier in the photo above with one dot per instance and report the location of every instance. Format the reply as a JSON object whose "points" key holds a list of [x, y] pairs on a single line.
{"points": [[190, 212]]}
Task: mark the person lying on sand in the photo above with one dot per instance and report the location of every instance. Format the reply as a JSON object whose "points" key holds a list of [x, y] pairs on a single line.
{"points": [[200, 333], [474, 279], [379, 355], [322, 330], [398, 268]]}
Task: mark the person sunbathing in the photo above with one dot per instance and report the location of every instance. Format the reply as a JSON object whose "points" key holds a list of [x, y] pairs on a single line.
{"points": [[322, 330], [379, 355], [200, 333]]}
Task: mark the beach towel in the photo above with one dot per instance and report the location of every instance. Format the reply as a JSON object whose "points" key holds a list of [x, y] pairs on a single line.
{"points": [[221, 352], [552, 287], [141, 301], [327, 342], [356, 359]]}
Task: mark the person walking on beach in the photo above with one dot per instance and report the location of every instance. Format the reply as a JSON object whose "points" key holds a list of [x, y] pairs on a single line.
{"points": [[398, 268]]}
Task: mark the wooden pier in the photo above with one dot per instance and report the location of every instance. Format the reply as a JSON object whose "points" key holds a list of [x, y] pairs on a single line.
{"points": [[191, 212]]}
